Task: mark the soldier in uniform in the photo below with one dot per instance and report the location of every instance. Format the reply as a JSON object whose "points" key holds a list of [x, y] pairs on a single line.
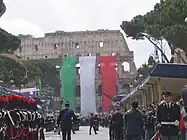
{"points": [[93, 122], [117, 124], [168, 117], [65, 121]]}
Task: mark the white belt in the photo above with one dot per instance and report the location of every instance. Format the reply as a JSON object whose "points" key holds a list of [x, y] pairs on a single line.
{"points": [[176, 123]]}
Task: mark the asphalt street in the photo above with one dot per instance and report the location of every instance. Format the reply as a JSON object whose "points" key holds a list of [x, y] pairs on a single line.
{"points": [[82, 134]]}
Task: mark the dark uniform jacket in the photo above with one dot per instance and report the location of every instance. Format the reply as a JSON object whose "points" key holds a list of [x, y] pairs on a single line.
{"points": [[133, 123], [168, 114], [94, 120], [65, 119], [117, 121]]}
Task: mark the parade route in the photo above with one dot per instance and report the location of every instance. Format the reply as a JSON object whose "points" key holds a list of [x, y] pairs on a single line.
{"points": [[81, 135]]}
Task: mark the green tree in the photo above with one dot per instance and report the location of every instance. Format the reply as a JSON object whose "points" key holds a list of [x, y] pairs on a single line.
{"points": [[146, 68], [11, 70], [165, 22], [46, 71]]}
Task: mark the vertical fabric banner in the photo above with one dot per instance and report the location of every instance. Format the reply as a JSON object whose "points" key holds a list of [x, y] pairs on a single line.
{"points": [[87, 83], [108, 80], [68, 73]]}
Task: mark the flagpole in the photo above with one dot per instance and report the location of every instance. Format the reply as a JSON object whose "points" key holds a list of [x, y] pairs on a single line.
{"points": [[38, 85]]}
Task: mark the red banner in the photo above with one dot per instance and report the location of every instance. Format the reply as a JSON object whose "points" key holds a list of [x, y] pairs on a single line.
{"points": [[108, 80]]}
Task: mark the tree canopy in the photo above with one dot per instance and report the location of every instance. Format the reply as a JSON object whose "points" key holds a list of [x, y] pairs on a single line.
{"points": [[46, 71], [19, 73], [8, 42], [146, 68], [165, 22], [11, 70]]}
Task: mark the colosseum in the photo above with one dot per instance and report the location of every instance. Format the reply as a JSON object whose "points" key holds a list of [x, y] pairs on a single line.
{"points": [[54, 46]]}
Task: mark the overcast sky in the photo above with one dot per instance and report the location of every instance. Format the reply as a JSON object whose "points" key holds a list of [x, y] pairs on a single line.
{"points": [[39, 16]]}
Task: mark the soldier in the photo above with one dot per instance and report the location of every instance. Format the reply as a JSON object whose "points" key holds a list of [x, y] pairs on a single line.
{"points": [[111, 135], [149, 123], [65, 121], [168, 117], [117, 124], [93, 122], [133, 123]]}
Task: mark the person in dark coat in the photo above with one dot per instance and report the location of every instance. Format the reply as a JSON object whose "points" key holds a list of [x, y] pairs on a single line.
{"points": [[93, 123], [117, 124], [168, 117], [133, 123], [65, 121], [149, 123]]}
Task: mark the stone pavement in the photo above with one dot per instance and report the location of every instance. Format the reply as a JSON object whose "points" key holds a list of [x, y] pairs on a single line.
{"points": [[82, 134]]}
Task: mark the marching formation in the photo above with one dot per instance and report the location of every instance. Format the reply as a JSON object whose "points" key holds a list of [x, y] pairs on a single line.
{"points": [[19, 119]]}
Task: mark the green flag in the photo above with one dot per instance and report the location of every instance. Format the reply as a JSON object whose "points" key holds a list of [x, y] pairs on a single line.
{"points": [[68, 73]]}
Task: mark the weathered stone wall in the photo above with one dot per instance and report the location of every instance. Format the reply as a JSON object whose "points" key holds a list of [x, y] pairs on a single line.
{"points": [[84, 43]]}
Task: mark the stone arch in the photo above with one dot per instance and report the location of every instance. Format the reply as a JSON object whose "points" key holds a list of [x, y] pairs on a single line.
{"points": [[77, 68], [78, 91], [78, 109], [117, 89], [100, 109], [100, 90], [126, 66], [126, 88]]}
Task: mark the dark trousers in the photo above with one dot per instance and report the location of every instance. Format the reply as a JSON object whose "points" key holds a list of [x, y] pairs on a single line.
{"points": [[90, 131], [162, 137], [73, 131], [66, 135], [133, 137], [111, 133], [117, 134], [149, 133]]}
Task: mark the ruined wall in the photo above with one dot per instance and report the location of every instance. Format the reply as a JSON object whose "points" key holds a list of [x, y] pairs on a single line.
{"points": [[84, 43]]}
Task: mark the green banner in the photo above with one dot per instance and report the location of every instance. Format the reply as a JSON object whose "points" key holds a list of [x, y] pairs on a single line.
{"points": [[68, 73]]}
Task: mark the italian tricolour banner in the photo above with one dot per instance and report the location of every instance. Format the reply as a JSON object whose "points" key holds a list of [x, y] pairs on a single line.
{"points": [[87, 82], [108, 80], [68, 73]]}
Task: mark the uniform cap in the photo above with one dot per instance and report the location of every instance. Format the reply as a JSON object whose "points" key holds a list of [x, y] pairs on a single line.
{"points": [[167, 93]]}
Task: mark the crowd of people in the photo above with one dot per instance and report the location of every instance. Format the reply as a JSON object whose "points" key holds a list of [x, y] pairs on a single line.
{"points": [[166, 120]]}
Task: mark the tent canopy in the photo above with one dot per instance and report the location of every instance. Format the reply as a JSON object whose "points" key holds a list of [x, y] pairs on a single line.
{"points": [[172, 77]]}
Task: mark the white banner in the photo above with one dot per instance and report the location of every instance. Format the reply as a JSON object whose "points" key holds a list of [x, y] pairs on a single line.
{"points": [[87, 84]]}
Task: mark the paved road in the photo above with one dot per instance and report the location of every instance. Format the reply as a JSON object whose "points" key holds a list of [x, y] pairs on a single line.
{"points": [[82, 135]]}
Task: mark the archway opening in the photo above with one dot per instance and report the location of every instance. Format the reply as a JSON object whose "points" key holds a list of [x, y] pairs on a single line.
{"points": [[77, 68], [126, 66], [100, 90], [77, 93], [126, 88], [78, 109], [100, 109]]}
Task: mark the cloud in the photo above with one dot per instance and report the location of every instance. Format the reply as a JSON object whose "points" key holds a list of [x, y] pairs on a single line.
{"points": [[39, 16], [21, 26]]}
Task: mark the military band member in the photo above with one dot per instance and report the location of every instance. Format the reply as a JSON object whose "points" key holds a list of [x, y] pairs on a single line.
{"points": [[168, 117]]}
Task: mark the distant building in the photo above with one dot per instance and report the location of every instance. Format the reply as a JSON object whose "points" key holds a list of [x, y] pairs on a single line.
{"points": [[54, 46]]}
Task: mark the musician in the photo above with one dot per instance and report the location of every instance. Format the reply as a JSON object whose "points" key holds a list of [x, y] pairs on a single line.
{"points": [[168, 117]]}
